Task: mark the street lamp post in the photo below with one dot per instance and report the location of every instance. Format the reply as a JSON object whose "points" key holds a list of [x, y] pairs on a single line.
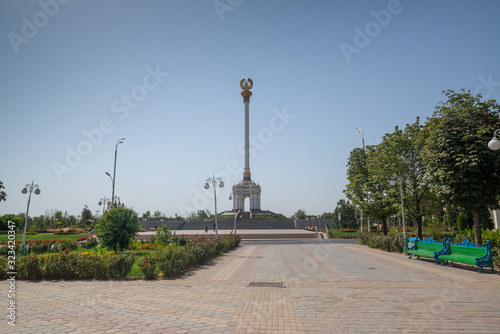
{"points": [[29, 187], [234, 213], [214, 181], [113, 179], [393, 183], [362, 137]]}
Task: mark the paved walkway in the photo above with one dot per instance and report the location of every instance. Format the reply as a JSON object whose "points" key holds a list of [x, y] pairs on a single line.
{"points": [[300, 288]]}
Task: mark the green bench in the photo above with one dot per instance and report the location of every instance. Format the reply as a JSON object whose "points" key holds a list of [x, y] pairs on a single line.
{"points": [[467, 253], [425, 248]]}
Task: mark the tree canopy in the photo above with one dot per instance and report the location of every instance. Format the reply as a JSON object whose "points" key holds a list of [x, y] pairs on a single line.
{"points": [[462, 169], [441, 168]]}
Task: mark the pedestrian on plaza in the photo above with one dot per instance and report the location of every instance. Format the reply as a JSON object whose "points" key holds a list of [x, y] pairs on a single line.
{"points": [[206, 229]]}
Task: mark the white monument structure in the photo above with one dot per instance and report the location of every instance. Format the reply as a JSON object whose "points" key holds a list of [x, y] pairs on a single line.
{"points": [[246, 188]]}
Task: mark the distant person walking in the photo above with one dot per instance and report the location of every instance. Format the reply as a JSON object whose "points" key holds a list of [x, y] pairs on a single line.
{"points": [[206, 229]]}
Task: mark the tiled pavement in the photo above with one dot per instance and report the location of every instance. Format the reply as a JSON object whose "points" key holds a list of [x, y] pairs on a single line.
{"points": [[329, 288]]}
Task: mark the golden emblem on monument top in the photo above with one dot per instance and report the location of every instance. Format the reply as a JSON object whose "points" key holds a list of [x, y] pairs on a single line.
{"points": [[246, 84]]}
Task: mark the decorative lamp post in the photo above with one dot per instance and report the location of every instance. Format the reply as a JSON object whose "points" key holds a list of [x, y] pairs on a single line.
{"points": [[393, 183], [29, 187], [234, 212], [494, 143], [104, 201], [214, 181]]}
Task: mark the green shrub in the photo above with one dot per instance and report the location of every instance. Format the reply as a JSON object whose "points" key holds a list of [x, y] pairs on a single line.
{"points": [[389, 243], [29, 267], [163, 236], [120, 265], [3, 266], [117, 228], [174, 261], [148, 267]]}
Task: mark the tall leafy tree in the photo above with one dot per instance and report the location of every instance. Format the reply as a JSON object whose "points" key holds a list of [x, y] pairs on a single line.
{"points": [[300, 214], [86, 217], [463, 169], [3, 195], [357, 175], [379, 204], [347, 213], [201, 214], [401, 152]]}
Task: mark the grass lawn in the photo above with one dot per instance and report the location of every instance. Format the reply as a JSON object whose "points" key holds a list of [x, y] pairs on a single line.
{"points": [[43, 236], [336, 233], [136, 270]]}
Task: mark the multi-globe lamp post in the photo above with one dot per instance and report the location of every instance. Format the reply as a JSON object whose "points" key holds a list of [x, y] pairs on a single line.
{"points": [[28, 188], [104, 202], [214, 182]]}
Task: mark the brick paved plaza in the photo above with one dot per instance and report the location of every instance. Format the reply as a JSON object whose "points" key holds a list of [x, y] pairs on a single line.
{"points": [[328, 288]]}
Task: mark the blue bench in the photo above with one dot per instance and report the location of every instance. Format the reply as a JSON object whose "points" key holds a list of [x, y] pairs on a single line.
{"points": [[467, 253], [425, 248]]}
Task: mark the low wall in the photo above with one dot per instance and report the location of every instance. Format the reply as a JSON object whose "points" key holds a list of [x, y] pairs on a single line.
{"points": [[222, 224]]}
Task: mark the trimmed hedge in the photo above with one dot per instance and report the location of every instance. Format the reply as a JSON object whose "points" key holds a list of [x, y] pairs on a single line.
{"points": [[72, 266], [390, 243]]}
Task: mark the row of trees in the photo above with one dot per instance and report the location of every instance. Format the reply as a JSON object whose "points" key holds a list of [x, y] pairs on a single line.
{"points": [[51, 219], [443, 166], [194, 215]]}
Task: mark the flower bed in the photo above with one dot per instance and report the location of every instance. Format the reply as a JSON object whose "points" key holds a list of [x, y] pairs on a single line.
{"points": [[174, 261], [169, 261]]}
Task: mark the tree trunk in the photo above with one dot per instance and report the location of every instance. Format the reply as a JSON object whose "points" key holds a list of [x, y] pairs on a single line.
{"points": [[384, 225], [477, 228], [418, 218]]}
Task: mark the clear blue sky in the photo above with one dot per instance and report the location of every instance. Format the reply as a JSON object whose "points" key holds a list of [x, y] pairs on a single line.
{"points": [[320, 69]]}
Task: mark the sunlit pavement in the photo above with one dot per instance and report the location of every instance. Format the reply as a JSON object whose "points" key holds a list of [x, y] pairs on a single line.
{"points": [[273, 287]]}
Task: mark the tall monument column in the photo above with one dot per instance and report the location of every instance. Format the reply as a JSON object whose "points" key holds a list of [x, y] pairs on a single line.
{"points": [[246, 85], [246, 188]]}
